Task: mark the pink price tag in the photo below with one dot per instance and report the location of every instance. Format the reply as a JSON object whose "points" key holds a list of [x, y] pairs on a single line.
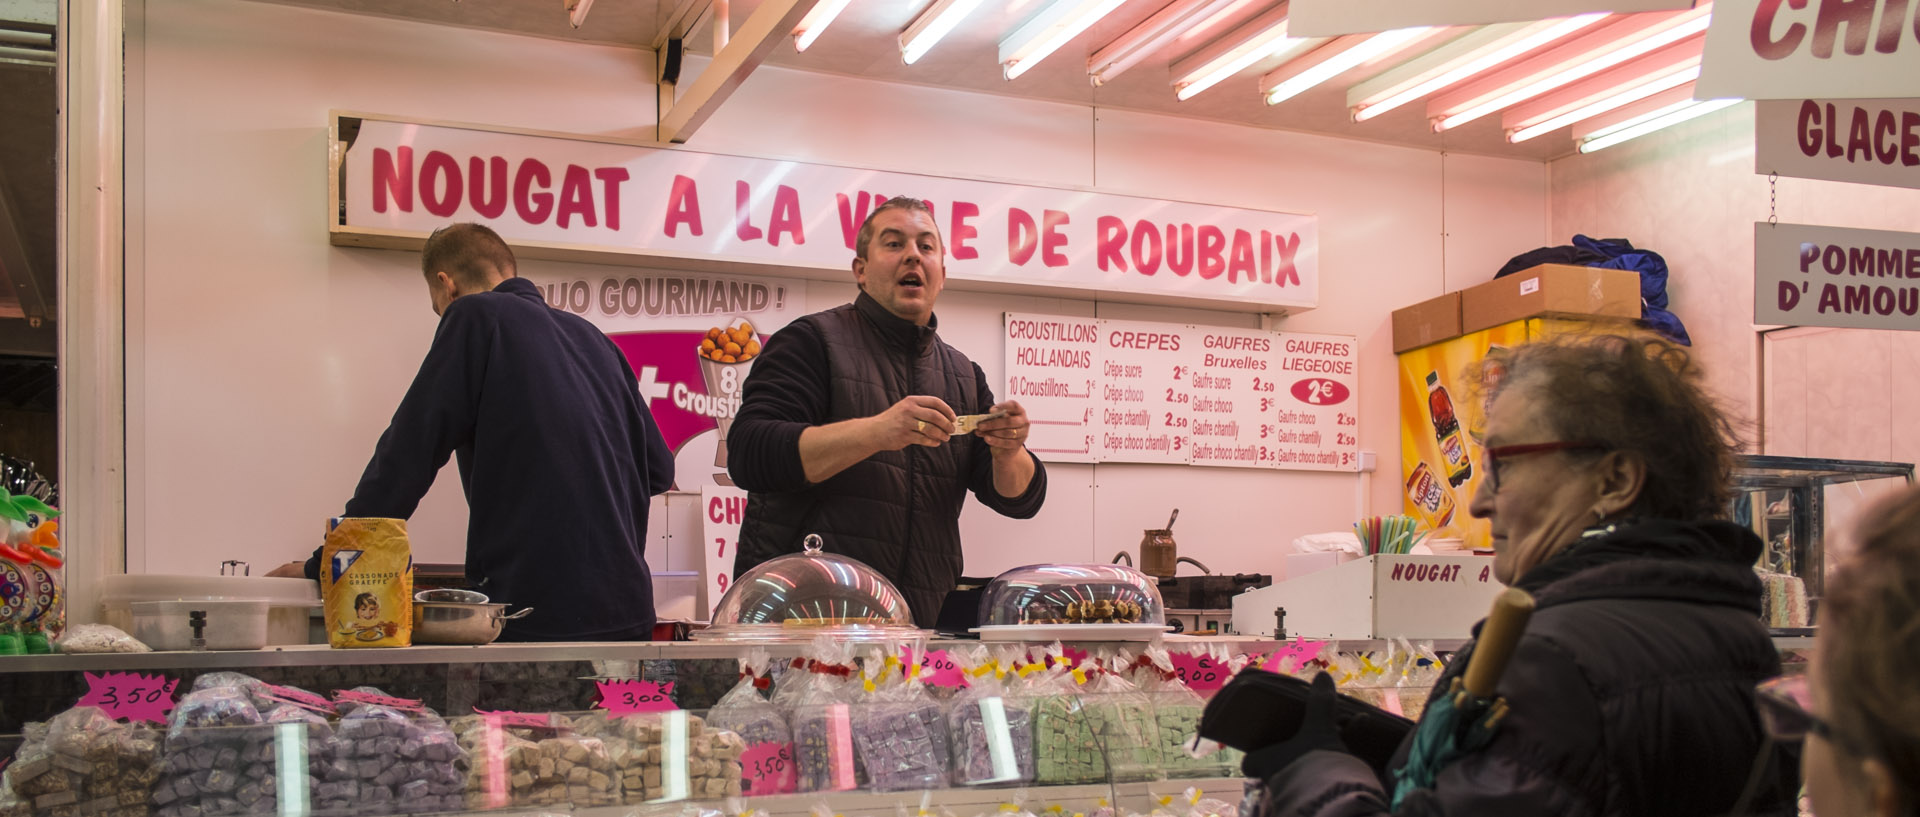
{"points": [[1199, 673], [635, 697], [298, 697], [370, 699], [1074, 655], [936, 669], [1301, 651], [770, 769], [130, 696], [537, 720]]}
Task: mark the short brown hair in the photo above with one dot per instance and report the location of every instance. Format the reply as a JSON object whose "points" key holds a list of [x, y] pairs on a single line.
{"points": [[473, 254], [1870, 640], [896, 203], [1642, 396]]}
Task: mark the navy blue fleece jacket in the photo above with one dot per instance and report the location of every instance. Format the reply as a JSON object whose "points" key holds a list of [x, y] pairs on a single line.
{"points": [[558, 455]]}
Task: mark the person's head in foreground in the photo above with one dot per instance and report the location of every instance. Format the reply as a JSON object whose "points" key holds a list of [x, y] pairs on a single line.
{"points": [[1585, 431], [1859, 707], [462, 259]]}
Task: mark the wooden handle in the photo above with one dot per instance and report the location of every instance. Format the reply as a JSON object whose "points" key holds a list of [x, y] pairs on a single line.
{"points": [[1511, 609]]}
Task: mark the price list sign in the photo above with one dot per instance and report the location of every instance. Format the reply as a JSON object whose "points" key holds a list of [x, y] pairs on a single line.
{"points": [[1134, 391], [1053, 366], [1233, 398], [1144, 397], [1317, 417]]}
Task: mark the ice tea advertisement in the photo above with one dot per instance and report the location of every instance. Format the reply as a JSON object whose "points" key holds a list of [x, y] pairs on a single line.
{"points": [[1443, 424], [692, 340]]}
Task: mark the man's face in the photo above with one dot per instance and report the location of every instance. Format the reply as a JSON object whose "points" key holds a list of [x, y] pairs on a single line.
{"points": [[441, 289], [905, 267]]}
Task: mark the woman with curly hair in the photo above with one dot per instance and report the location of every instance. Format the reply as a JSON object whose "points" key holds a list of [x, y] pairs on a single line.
{"points": [[1631, 691]]}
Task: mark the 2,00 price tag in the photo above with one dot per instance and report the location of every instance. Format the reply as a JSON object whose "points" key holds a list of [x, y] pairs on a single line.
{"points": [[130, 696], [635, 697], [937, 669], [1199, 673], [770, 769]]}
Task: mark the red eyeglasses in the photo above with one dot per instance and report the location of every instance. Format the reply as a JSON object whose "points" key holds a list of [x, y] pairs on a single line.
{"points": [[1493, 456]]}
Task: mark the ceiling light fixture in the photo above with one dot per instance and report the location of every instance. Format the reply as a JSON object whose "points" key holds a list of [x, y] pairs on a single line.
{"points": [[1150, 36], [1262, 37], [1628, 37], [1049, 29], [1634, 112], [815, 23], [1456, 62], [1694, 110], [1342, 55], [934, 23], [1604, 92]]}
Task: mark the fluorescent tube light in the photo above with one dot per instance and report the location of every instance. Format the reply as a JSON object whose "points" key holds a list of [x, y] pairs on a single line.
{"points": [[1150, 36], [1262, 37], [1049, 29], [816, 22], [1626, 39], [936, 22], [1595, 108], [1287, 81], [1637, 130], [1458, 61], [1634, 113]]}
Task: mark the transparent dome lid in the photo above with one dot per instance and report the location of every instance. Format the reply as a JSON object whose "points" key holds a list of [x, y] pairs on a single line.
{"points": [[800, 596], [1073, 594]]}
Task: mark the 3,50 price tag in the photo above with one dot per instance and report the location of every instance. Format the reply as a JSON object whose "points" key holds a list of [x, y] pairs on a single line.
{"points": [[635, 697], [1199, 673], [130, 696], [770, 769]]}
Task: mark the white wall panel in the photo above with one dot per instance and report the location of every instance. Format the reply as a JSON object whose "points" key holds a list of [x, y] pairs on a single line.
{"points": [[273, 360]]}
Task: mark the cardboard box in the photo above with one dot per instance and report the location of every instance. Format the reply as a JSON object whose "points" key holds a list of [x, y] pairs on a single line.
{"points": [[1426, 322], [1551, 290]]}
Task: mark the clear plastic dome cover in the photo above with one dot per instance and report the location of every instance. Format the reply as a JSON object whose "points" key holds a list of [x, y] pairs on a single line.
{"points": [[799, 596], [1072, 594]]}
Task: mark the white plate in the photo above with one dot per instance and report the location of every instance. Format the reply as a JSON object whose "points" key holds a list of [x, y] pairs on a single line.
{"points": [[1072, 632]]}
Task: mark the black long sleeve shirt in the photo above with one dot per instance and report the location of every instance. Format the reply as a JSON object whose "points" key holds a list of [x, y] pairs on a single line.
{"points": [[558, 456]]}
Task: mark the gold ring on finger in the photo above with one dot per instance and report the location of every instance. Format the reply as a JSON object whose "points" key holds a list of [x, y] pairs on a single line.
{"points": [[920, 425]]}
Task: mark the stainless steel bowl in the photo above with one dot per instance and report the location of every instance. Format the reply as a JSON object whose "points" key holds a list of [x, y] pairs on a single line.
{"points": [[453, 622]]}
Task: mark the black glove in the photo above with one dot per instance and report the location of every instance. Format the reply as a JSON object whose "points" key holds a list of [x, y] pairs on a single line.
{"points": [[1317, 731]]}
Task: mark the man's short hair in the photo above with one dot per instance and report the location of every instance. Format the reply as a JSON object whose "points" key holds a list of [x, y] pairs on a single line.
{"points": [[472, 254], [896, 203]]}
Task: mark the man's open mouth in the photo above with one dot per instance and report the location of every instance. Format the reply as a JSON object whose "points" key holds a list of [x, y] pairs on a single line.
{"points": [[911, 280]]}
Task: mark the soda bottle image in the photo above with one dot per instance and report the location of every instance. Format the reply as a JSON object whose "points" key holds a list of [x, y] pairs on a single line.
{"points": [[1430, 498], [1446, 428], [1493, 371]]}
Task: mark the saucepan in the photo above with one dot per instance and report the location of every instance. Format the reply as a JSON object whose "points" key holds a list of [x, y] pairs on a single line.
{"points": [[460, 622]]}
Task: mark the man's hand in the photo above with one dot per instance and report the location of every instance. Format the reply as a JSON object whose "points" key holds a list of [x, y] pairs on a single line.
{"points": [[1007, 435], [918, 419], [290, 570]]}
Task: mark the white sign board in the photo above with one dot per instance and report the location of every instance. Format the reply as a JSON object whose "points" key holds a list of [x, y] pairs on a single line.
{"points": [[722, 507], [1801, 49], [1331, 18], [672, 204], [1130, 391], [1805, 275], [1381, 596], [1869, 141]]}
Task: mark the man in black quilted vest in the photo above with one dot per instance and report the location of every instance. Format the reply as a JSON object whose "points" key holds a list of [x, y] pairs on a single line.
{"points": [[847, 425]]}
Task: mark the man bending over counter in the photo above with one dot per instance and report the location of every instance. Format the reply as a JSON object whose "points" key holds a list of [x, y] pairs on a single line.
{"points": [[558, 455]]}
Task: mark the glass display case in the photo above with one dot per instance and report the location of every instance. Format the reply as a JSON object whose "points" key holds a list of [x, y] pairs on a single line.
{"points": [[1091, 601], [805, 595], [1804, 510], [516, 727]]}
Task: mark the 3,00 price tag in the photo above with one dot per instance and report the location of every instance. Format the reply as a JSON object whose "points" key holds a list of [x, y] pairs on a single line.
{"points": [[1199, 673], [130, 696], [770, 769], [635, 697]]}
